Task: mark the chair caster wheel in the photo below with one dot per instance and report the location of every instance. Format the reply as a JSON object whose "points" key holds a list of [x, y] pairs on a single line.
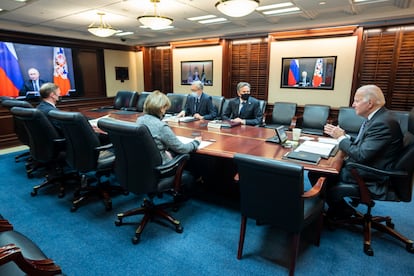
{"points": [[33, 193], [368, 250], [73, 208], [118, 223], [135, 240], [409, 247], [179, 229]]}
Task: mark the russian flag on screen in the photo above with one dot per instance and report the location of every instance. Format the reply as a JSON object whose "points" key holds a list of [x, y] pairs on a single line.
{"points": [[11, 79], [60, 72], [293, 77], [317, 74]]}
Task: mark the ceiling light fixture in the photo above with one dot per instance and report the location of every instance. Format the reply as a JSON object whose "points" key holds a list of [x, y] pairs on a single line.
{"points": [[103, 29], [237, 8], [155, 21]]}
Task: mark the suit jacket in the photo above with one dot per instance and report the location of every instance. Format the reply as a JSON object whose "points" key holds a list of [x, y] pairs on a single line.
{"points": [[28, 86], [379, 145], [251, 111], [205, 107]]}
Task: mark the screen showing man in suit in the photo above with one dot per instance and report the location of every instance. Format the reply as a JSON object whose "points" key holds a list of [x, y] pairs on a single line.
{"points": [[199, 104], [244, 109], [33, 83]]}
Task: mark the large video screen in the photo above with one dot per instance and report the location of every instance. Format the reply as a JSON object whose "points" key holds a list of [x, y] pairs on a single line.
{"points": [[54, 64], [308, 72]]}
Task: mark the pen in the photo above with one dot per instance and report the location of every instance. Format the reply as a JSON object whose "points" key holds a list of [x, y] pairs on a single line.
{"points": [[211, 140]]}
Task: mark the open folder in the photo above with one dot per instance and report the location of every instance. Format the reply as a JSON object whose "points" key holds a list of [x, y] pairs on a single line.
{"points": [[303, 156]]}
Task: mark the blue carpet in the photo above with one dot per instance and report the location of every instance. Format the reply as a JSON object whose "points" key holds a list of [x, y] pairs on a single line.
{"points": [[87, 241]]}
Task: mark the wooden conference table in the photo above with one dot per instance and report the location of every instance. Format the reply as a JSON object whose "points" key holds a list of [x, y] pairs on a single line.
{"points": [[227, 142]]}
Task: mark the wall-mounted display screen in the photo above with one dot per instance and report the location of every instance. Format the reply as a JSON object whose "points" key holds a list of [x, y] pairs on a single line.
{"points": [[197, 70], [308, 72], [53, 64]]}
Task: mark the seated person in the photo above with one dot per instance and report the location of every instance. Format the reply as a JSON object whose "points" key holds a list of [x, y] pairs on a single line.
{"points": [[155, 106], [244, 109], [50, 95], [33, 84], [378, 144], [199, 104], [304, 81]]}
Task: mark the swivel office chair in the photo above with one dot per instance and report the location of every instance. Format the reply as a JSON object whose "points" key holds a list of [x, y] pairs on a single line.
{"points": [[141, 100], [218, 104], [314, 118], [47, 147], [283, 115], [86, 154], [272, 192], [140, 170], [20, 130], [124, 99], [400, 182], [177, 102], [349, 121]]}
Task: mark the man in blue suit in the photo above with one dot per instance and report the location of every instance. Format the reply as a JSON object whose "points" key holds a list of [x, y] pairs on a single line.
{"points": [[199, 104], [33, 84], [244, 109]]}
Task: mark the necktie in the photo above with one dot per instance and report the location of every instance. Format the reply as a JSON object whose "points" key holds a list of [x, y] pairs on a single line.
{"points": [[35, 86], [196, 105], [243, 104], [361, 130]]}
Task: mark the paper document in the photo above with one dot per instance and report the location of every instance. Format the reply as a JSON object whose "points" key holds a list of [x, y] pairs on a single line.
{"points": [[94, 122], [186, 140], [323, 149], [328, 140]]}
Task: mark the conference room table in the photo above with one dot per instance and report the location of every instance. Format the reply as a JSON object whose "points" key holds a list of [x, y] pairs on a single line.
{"points": [[226, 142]]}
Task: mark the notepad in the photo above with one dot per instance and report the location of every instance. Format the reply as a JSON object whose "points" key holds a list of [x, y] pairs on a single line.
{"points": [[304, 156]]}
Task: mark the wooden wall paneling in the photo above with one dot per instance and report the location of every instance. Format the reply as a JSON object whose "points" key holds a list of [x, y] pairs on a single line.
{"points": [[90, 75]]}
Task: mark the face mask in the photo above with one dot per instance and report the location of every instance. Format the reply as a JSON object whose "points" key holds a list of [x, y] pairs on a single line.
{"points": [[194, 94], [245, 97]]}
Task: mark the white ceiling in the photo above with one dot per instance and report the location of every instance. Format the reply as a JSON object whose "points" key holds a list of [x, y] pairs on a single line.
{"points": [[70, 18]]}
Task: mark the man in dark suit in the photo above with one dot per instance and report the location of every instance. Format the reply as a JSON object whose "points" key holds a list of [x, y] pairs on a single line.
{"points": [[199, 104], [33, 84], [244, 109], [378, 144]]}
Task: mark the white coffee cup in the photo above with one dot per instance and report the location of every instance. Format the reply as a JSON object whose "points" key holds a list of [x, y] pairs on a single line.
{"points": [[296, 134]]}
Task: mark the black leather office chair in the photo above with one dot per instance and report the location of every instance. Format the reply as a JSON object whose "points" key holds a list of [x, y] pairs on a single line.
{"points": [[19, 255], [140, 170], [402, 119], [224, 107], [349, 121], [262, 104], [283, 114], [400, 183], [20, 130], [314, 118], [141, 100], [46, 147], [272, 192], [177, 102], [124, 100], [218, 104], [86, 154]]}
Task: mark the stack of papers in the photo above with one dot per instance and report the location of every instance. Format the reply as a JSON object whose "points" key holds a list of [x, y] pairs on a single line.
{"points": [[94, 122], [322, 149], [176, 119]]}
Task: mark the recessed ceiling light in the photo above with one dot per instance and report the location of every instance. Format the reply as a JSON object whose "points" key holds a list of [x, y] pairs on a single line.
{"points": [[214, 20], [197, 18], [285, 11], [274, 6]]}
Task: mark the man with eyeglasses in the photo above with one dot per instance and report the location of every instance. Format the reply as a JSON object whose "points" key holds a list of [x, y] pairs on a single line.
{"points": [[199, 105]]}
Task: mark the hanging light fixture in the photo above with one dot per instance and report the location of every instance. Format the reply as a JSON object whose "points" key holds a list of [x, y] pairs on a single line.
{"points": [[103, 29], [155, 21], [237, 8]]}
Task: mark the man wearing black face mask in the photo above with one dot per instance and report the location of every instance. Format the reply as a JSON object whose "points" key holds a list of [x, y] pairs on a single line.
{"points": [[50, 93], [244, 109]]}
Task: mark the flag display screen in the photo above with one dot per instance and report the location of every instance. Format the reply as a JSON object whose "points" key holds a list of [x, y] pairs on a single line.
{"points": [[197, 70], [51, 64], [308, 72]]}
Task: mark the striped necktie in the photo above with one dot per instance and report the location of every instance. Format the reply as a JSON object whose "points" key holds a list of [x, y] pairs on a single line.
{"points": [[361, 130]]}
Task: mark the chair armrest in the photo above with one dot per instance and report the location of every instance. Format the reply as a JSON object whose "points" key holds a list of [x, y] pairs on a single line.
{"points": [[377, 171], [104, 147], [5, 225], [174, 167], [12, 253], [316, 189]]}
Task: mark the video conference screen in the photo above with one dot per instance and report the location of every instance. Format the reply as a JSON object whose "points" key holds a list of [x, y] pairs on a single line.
{"points": [[54, 64]]}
